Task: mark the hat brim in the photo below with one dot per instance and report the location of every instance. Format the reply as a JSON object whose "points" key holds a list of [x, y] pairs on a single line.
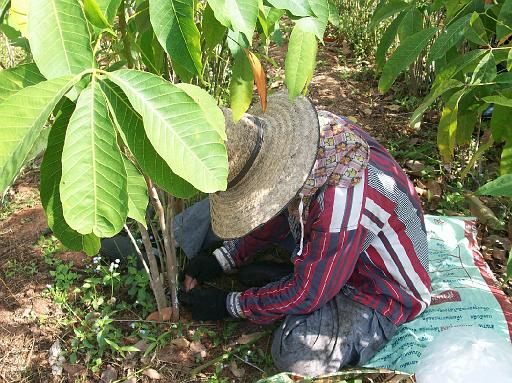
{"points": [[287, 155]]}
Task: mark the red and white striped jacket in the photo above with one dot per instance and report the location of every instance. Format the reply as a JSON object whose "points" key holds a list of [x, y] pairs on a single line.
{"points": [[367, 242]]}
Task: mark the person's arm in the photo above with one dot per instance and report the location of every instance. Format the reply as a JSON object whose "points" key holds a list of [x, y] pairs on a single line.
{"points": [[328, 260], [236, 252]]}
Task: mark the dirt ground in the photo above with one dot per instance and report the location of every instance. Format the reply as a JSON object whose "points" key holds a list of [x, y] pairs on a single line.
{"points": [[24, 341]]}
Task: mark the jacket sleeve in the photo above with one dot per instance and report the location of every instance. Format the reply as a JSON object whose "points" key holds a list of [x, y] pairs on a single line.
{"points": [[327, 262], [236, 252]]}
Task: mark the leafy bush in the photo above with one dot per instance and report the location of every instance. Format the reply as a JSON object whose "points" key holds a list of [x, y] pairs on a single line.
{"points": [[471, 55]]}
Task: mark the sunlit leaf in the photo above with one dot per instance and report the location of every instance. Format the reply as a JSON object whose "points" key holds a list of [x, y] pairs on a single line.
{"points": [[131, 128], [51, 172], [95, 15], [447, 130], [241, 86], [4, 7], [387, 39], [59, 37], [501, 186], [296, 7], [485, 71], [243, 15], [403, 56], [177, 128], [386, 9], [449, 37], [22, 116], [334, 14], [93, 185], [300, 60], [18, 13], [175, 28], [109, 8], [499, 100], [506, 158], [316, 24]]}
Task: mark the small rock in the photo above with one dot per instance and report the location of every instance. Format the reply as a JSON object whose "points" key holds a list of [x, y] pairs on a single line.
{"points": [[55, 359], [108, 375], [152, 374]]}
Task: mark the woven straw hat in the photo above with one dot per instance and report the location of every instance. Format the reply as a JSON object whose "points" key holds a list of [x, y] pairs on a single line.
{"points": [[270, 157]]}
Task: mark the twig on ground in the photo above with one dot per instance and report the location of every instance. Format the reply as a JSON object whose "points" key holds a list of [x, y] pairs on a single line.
{"points": [[248, 363], [226, 355]]}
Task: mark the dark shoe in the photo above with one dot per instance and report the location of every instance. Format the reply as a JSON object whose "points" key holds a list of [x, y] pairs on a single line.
{"points": [[259, 274]]}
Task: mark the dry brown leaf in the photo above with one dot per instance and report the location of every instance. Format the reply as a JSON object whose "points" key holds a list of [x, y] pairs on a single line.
{"points": [[108, 375], [248, 338], [152, 374], [73, 369], [166, 315], [259, 77], [198, 348], [392, 107], [239, 372], [367, 111], [181, 343]]}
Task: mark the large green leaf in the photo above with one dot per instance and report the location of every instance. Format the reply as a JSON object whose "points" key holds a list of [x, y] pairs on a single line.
{"points": [[4, 7], [213, 30], [451, 36], [22, 116], [500, 122], [432, 96], [485, 71], [476, 32], [137, 192], [504, 24], [300, 60], [151, 52], [59, 37], [316, 24], [411, 23], [131, 128], [220, 11], [109, 8], [499, 100], [93, 185], [243, 15], [209, 107], [95, 14], [334, 14], [51, 172], [509, 60], [501, 186], [387, 9], [14, 79], [177, 128], [18, 13], [175, 28], [447, 130], [241, 86], [506, 158], [404, 56], [466, 118], [457, 65], [299, 8], [387, 39]]}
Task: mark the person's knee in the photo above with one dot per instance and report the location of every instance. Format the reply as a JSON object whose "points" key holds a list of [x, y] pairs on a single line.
{"points": [[295, 350]]}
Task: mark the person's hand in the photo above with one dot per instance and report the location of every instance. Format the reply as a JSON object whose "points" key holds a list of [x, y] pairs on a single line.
{"points": [[206, 304], [200, 269]]}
